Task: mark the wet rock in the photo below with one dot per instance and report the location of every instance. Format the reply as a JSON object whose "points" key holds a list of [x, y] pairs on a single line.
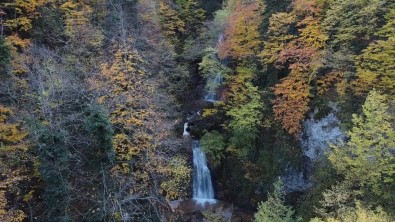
{"points": [[191, 210]]}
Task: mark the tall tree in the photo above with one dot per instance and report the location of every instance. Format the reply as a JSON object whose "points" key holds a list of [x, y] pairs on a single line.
{"points": [[351, 23], [274, 209], [241, 37], [367, 158], [13, 148], [375, 67]]}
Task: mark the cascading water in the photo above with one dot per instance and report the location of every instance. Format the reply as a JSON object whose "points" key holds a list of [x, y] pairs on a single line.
{"points": [[203, 191], [214, 81], [185, 133], [202, 186], [212, 86]]}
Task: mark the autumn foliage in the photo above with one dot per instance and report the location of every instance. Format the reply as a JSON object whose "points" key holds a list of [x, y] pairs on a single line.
{"points": [[301, 55], [241, 37]]}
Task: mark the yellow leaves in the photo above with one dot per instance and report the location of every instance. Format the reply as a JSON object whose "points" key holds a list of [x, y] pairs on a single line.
{"points": [[125, 150], [11, 142], [18, 61], [279, 26], [69, 5], [10, 134], [179, 174], [312, 33], [4, 113], [128, 147], [23, 14], [128, 116], [77, 14], [375, 67], [209, 112], [28, 196], [124, 147], [171, 22]]}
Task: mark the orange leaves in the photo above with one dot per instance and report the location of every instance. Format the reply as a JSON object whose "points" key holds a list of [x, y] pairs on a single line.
{"points": [[241, 37], [324, 83], [292, 102], [307, 7], [299, 51]]}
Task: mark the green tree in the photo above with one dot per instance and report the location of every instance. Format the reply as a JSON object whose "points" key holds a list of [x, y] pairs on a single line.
{"points": [[4, 55], [337, 200], [172, 25], [375, 67], [210, 64], [274, 209], [352, 23], [54, 160], [213, 144], [367, 159], [193, 16], [100, 128], [245, 111], [360, 214]]}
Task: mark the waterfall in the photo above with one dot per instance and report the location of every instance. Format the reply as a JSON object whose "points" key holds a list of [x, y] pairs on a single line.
{"points": [[202, 186], [213, 83], [185, 133]]}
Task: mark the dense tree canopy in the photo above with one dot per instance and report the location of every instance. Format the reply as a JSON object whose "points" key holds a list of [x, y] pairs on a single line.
{"points": [[102, 100]]}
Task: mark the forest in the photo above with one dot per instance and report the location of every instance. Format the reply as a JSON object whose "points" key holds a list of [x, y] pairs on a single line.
{"points": [[197, 110]]}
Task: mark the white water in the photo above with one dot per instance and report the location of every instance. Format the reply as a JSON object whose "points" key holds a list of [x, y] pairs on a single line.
{"points": [[214, 81], [185, 133], [212, 86], [202, 186]]}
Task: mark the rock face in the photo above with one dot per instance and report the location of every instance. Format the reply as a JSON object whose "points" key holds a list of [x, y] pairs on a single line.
{"points": [[191, 210], [192, 205], [296, 181], [317, 136]]}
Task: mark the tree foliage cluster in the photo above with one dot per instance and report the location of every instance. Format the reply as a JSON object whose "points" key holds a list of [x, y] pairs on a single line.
{"points": [[90, 89], [78, 133], [279, 61]]}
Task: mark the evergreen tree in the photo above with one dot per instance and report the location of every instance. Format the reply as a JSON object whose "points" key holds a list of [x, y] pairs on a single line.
{"points": [[213, 144], [351, 24], [367, 159], [4, 55], [54, 160], [274, 209], [100, 128], [375, 67]]}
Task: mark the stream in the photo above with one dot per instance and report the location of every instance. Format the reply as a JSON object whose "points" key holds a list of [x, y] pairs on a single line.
{"points": [[203, 191]]}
